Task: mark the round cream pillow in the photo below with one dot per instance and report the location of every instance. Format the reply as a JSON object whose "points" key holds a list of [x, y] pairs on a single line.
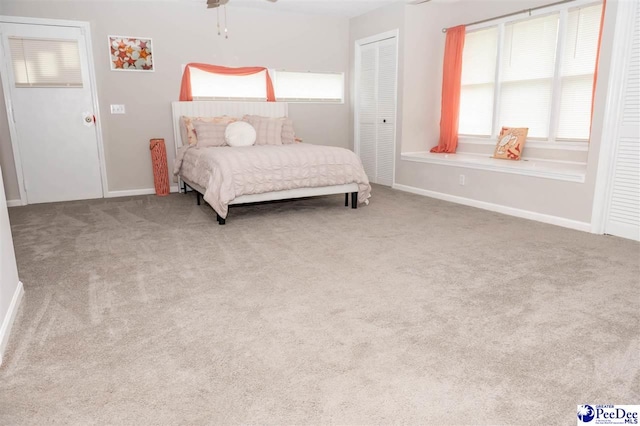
{"points": [[240, 133]]}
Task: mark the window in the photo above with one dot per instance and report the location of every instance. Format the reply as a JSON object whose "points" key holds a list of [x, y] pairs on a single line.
{"points": [[288, 86], [205, 85], [578, 64], [535, 73], [309, 86], [478, 82], [45, 62]]}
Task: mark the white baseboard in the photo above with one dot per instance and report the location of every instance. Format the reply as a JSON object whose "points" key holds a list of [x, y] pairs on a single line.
{"points": [[498, 208], [135, 192], [7, 322], [111, 194]]}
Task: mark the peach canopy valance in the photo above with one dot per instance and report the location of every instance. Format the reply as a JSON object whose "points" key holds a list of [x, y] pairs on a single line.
{"points": [[185, 89]]}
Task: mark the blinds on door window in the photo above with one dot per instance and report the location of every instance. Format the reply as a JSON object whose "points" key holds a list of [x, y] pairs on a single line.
{"points": [[45, 62]]}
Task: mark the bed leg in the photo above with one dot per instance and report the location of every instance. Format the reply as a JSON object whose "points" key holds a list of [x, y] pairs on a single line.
{"points": [[346, 199], [198, 197], [221, 221], [354, 200], [184, 188]]}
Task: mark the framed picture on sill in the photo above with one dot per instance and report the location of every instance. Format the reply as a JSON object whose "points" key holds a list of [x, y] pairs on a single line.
{"points": [[130, 53]]}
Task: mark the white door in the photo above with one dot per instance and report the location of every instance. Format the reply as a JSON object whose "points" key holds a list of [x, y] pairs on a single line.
{"points": [[376, 108], [367, 109], [47, 72], [623, 218]]}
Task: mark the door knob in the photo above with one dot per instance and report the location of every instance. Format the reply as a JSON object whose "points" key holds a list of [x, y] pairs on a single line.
{"points": [[88, 119]]}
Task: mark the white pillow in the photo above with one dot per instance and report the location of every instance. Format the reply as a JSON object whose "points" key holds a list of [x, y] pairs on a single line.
{"points": [[240, 133]]}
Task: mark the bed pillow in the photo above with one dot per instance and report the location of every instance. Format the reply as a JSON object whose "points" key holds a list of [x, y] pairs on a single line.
{"points": [[268, 130], [240, 133], [187, 129], [288, 135], [209, 134]]}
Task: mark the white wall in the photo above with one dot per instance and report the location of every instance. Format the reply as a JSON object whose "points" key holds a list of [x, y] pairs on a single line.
{"points": [[183, 32], [421, 96], [10, 288]]}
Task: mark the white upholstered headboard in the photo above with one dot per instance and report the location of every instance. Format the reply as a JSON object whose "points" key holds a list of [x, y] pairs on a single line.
{"points": [[220, 108]]}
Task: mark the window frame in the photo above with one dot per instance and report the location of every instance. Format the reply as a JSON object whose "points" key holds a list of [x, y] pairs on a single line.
{"points": [[551, 141]]}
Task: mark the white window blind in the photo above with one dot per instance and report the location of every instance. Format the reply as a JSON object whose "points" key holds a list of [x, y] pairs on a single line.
{"points": [[478, 82], [578, 66], [45, 62], [309, 86], [205, 85], [544, 76], [528, 65]]}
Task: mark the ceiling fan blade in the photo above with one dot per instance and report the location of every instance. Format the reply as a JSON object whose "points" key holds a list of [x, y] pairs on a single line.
{"points": [[211, 4]]}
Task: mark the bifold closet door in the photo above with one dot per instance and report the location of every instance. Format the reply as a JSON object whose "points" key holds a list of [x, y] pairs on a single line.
{"points": [[367, 109], [623, 217], [377, 109], [386, 116]]}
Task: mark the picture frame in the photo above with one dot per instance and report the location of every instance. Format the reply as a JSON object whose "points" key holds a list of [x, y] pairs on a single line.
{"points": [[127, 53]]}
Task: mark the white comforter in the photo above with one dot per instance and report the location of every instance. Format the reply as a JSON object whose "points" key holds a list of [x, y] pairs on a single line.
{"points": [[227, 172]]}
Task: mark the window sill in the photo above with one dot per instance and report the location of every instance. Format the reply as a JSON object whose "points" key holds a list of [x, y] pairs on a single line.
{"points": [[570, 172], [572, 145]]}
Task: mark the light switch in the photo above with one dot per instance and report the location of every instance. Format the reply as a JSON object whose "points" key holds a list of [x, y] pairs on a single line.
{"points": [[117, 109]]}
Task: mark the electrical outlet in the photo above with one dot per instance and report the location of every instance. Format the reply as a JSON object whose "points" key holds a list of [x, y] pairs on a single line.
{"points": [[463, 180], [117, 109]]}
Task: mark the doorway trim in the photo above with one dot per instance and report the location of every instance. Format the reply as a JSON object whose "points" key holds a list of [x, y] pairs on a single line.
{"points": [[356, 104], [85, 27]]}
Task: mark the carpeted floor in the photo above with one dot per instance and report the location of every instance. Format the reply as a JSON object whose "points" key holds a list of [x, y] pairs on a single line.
{"points": [[411, 310]]}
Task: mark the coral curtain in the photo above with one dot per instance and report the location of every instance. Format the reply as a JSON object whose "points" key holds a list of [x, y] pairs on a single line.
{"points": [[185, 89], [451, 76], [595, 75]]}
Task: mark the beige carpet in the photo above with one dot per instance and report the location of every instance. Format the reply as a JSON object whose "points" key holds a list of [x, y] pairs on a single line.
{"points": [[411, 310]]}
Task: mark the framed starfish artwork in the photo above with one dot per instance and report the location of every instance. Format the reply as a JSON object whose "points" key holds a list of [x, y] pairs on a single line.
{"points": [[130, 53]]}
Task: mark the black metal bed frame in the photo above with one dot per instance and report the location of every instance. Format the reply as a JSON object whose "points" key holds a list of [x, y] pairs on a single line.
{"points": [[222, 221]]}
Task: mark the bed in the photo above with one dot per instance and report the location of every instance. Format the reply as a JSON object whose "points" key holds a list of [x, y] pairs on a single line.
{"points": [[225, 176]]}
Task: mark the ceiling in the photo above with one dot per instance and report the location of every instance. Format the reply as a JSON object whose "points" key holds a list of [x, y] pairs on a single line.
{"points": [[345, 8]]}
